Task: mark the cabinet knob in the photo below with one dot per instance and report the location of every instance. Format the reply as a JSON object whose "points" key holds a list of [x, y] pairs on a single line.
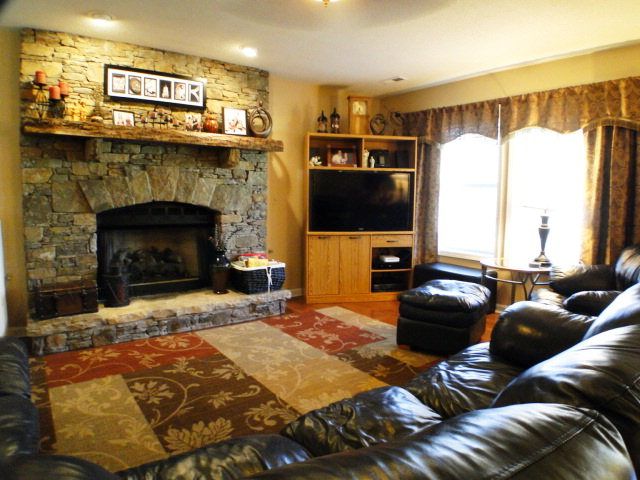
{"points": [[392, 241], [354, 238], [324, 237]]}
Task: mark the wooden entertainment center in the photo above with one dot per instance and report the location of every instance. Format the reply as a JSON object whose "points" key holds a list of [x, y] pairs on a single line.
{"points": [[359, 260]]}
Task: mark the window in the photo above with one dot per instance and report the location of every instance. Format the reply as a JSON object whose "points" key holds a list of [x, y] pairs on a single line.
{"points": [[468, 204], [544, 170]]}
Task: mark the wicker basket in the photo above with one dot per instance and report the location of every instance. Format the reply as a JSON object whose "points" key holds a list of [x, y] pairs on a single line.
{"points": [[257, 279]]}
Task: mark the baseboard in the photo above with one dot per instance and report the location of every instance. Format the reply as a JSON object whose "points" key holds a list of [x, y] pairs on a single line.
{"points": [[296, 292]]}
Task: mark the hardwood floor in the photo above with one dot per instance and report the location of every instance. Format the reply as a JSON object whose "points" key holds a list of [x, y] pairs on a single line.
{"points": [[384, 311]]}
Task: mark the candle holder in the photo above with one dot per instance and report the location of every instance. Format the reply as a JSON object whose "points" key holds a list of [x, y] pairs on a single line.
{"points": [[57, 107], [41, 102], [158, 117]]}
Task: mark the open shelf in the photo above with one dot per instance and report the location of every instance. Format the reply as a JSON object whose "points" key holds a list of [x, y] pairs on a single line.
{"points": [[387, 152]]}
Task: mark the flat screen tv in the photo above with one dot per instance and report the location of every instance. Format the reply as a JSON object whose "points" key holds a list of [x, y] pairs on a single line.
{"points": [[360, 201]]}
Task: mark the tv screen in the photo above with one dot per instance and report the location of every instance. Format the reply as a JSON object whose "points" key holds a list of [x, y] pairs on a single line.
{"points": [[350, 200]]}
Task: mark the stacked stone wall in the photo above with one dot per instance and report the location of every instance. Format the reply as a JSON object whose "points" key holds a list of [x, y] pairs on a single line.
{"points": [[66, 181]]}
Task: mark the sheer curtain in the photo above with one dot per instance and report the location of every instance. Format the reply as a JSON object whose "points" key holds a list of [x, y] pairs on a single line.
{"points": [[546, 173], [468, 202]]}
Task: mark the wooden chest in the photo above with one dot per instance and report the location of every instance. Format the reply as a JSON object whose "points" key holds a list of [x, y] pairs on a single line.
{"points": [[66, 299]]}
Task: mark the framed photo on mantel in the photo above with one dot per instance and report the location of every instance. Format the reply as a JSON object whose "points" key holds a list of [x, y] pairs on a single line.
{"points": [[134, 84]]}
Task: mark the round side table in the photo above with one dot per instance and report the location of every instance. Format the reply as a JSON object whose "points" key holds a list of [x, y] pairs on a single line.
{"points": [[519, 274]]}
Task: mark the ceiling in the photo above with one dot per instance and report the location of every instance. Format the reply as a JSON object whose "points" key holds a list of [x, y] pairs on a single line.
{"points": [[355, 44]]}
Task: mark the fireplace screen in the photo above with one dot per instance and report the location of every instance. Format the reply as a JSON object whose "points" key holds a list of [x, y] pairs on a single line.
{"points": [[160, 246]]}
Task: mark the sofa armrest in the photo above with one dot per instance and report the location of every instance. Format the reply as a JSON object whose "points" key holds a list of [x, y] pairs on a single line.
{"points": [[523, 442], [528, 332], [235, 458], [568, 281], [14, 368]]}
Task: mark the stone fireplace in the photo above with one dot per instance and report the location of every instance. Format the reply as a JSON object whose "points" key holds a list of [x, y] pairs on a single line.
{"points": [[82, 208], [148, 198]]}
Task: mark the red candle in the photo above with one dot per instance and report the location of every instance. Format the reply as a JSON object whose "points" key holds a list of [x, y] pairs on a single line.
{"points": [[41, 77], [64, 88], [54, 92]]}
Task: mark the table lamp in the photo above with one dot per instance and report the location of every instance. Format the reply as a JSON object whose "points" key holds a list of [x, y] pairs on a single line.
{"points": [[543, 230]]}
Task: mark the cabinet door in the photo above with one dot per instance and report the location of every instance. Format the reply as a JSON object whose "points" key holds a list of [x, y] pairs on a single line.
{"points": [[323, 265], [355, 257]]}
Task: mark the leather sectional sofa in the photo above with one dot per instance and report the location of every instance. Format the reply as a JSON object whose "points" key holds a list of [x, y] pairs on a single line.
{"points": [[554, 395], [589, 289]]}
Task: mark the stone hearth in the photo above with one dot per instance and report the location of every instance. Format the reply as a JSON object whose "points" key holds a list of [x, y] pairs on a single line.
{"points": [[153, 316]]}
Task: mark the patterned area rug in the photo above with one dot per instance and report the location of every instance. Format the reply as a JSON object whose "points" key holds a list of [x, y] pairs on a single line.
{"points": [[127, 404]]}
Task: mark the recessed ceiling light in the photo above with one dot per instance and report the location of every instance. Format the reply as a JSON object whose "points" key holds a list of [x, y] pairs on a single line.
{"points": [[249, 51], [326, 2], [100, 19]]}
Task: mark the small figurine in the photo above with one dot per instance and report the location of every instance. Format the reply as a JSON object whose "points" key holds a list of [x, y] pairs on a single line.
{"points": [[315, 161]]}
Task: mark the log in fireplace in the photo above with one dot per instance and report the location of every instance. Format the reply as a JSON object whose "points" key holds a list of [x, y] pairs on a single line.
{"points": [[160, 246]]}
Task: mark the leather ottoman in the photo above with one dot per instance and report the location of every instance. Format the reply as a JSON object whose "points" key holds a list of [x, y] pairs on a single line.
{"points": [[442, 316]]}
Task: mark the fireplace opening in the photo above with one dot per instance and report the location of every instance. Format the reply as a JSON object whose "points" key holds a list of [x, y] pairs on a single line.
{"points": [[162, 246]]}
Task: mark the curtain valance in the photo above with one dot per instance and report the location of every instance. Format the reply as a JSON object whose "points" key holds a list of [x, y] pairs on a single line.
{"points": [[563, 110]]}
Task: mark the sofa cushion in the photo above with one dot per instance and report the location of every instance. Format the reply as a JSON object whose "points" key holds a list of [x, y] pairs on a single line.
{"points": [[231, 459], [624, 310], [369, 418], [590, 302], [524, 442], [546, 296], [602, 372], [14, 368], [448, 296], [466, 381], [528, 332], [58, 467], [19, 426], [582, 277]]}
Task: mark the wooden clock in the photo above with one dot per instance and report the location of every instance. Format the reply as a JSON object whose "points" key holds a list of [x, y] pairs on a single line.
{"points": [[359, 114]]}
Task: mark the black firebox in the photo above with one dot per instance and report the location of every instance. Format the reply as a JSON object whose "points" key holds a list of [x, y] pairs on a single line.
{"points": [[158, 247]]}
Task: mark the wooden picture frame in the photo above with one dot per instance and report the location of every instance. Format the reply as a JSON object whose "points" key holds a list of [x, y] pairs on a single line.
{"points": [[234, 121], [134, 84], [344, 156], [122, 118]]}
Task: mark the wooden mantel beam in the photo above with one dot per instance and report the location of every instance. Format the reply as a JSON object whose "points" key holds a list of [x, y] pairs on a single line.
{"points": [[154, 135]]}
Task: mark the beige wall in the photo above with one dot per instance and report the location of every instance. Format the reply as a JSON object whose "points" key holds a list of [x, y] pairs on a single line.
{"points": [[294, 108], [10, 176], [595, 67]]}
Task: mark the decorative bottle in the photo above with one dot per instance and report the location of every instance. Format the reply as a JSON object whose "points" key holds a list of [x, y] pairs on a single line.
{"points": [[335, 122], [322, 123]]}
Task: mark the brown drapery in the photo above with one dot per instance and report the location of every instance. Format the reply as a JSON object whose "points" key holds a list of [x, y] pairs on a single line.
{"points": [[613, 191], [609, 114], [427, 186]]}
